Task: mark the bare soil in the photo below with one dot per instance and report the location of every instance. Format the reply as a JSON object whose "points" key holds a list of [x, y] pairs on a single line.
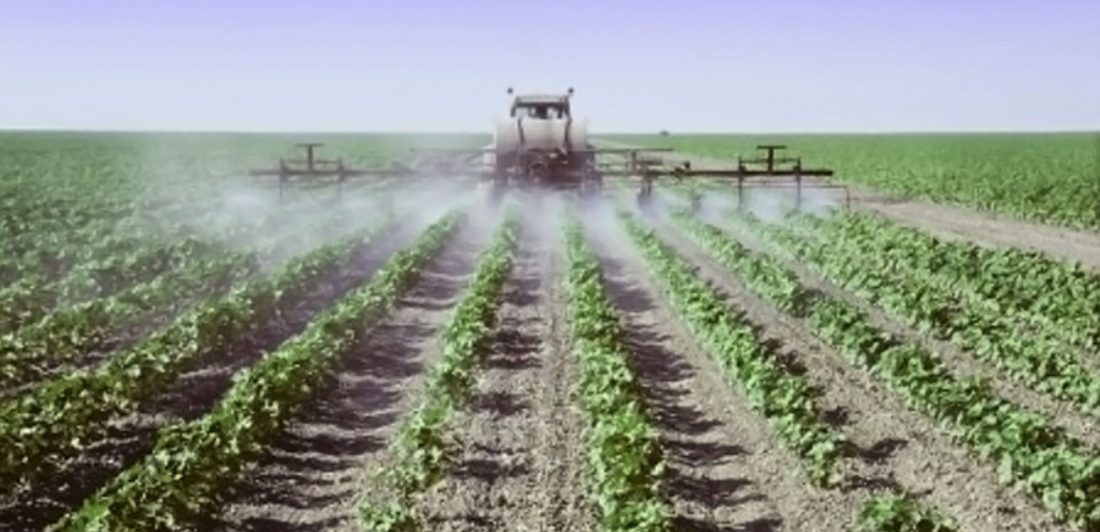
{"points": [[891, 446], [313, 475], [521, 462]]}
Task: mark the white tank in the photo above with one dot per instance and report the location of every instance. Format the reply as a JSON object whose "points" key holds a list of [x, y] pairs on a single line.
{"points": [[541, 134]]}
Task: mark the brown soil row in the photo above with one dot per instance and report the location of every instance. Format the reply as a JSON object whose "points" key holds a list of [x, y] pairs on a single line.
{"points": [[522, 449]]}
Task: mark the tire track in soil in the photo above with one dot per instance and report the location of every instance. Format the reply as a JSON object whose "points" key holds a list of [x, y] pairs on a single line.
{"points": [[521, 464], [192, 394], [891, 445], [313, 475]]}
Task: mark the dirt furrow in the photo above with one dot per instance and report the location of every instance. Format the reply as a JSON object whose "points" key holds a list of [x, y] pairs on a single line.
{"points": [[891, 446], [521, 463], [312, 476], [189, 396]]}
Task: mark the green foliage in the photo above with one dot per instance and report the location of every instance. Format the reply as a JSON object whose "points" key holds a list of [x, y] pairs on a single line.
{"points": [[892, 512], [50, 423], [421, 451], [62, 336], [782, 397], [1036, 358], [625, 459], [1049, 177], [182, 479], [1063, 298], [1028, 452]]}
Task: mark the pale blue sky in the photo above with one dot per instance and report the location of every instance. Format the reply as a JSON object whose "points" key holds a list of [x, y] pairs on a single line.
{"points": [[424, 65]]}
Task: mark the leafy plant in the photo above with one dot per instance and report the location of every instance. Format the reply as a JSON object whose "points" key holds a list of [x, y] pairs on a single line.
{"points": [[421, 451], [625, 458], [1061, 298], [784, 398], [1034, 359], [182, 479], [900, 512], [50, 423], [1061, 472]]}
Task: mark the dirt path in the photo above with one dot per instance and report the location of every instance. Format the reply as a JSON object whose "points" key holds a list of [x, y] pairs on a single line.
{"points": [[521, 464], [988, 228], [891, 445], [192, 394], [313, 475], [959, 222]]}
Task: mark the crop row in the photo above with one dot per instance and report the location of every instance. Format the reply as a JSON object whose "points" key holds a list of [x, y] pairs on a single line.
{"points": [[1035, 360], [92, 251], [421, 452], [181, 479], [1064, 297], [63, 335], [625, 459], [33, 297], [25, 217], [900, 512], [771, 280], [1061, 472], [51, 255], [42, 427], [782, 397], [45, 250]]}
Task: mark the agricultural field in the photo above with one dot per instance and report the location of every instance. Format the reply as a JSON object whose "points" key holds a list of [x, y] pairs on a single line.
{"points": [[181, 349], [1052, 177]]}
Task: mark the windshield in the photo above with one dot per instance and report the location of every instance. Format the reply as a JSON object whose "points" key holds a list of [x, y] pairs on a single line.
{"points": [[542, 111]]}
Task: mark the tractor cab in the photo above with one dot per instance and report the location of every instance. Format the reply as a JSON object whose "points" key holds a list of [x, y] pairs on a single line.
{"points": [[541, 106]]}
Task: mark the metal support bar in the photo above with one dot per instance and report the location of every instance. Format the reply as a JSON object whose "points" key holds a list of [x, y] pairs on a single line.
{"points": [[798, 193]]}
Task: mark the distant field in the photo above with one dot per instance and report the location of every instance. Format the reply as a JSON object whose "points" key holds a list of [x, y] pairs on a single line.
{"points": [[1054, 178], [106, 161]]}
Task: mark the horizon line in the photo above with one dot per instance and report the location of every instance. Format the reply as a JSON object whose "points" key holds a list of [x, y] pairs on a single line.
{"points": [[595, 134]]}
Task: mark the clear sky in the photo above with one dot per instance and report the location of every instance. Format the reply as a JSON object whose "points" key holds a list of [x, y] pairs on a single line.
{"points": [[435, 65]]}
